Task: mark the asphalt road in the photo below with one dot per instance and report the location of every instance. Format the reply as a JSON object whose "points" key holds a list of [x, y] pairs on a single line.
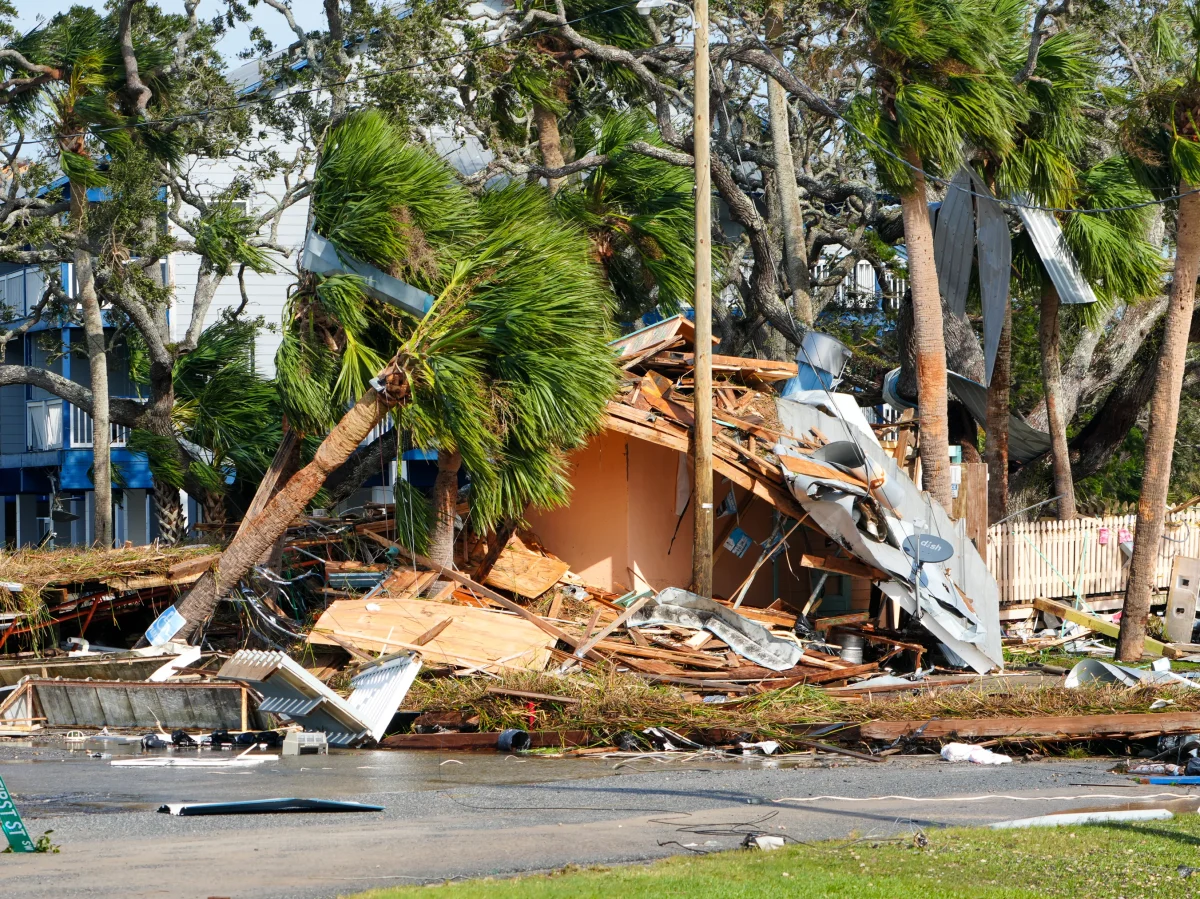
{"points": [[470, 815]]}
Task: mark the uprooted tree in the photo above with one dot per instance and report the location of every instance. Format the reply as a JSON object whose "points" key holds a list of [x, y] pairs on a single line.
{"points": [[507, 371]]}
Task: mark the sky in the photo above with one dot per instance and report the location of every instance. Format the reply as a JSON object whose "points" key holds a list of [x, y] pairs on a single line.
{"points": [[307, 12]]}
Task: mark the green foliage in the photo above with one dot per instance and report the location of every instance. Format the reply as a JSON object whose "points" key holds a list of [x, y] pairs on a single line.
{"points": [[639, 213], [1160, 128], [87, 104], [414, 514], [510, 367], [223, 236], [936, 83], [227, 412]]}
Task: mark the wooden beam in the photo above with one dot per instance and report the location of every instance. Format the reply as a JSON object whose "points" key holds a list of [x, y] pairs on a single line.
{"points": [[1072, 726], [848, 567], [529, 694], [1151, 646]]}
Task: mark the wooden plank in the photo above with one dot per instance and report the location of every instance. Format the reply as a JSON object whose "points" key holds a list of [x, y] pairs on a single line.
{"points": [[478, 635], [537, 740], [525, 573], [824, 624], [1071, 726], [849, 567], [433, 631], [529, 694], [1151, 646], [814, 469]]}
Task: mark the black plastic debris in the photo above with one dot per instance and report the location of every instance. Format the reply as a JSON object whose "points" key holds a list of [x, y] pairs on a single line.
{"points": [[265, 806]]}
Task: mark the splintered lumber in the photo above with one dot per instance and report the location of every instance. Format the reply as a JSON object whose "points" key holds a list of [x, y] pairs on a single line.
{"points": [[481, 590], [1072, 726], [525, 573], [813, 469], [583, 648], [473, 636], [1151, 646]]}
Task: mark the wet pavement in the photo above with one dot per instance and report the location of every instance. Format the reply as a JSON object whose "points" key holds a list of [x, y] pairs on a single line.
{"points": [[452, 815]]}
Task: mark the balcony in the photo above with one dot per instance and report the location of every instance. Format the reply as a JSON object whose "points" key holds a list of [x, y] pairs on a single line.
{"points": [[82, 430]]}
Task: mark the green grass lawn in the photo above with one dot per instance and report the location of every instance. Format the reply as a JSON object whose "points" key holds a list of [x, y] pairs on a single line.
{"points": [[1131, 861]]}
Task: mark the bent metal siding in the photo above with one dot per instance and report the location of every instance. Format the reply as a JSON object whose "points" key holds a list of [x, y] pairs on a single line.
{"points": [[1059, 559]]}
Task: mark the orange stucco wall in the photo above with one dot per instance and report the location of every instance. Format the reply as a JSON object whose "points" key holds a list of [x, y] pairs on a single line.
{"points": [[616, 532]]}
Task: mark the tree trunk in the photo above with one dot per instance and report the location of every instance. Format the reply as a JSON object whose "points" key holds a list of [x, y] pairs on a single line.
{"points": [[93, 329], [1048, 336], [168, 513], [445, 501], [996, 450], [256, 536], [795, 250], [1160, 438], [549, 143], [929, 339]]}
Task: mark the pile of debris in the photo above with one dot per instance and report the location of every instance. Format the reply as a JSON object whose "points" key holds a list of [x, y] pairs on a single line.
{"points": [[512, 639]]}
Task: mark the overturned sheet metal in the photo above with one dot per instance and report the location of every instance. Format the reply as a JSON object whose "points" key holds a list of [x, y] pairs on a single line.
{"points": [[1025, 442], [674, 606], [954, 243], [1056, 256], [1097, 671], [288, 689], [957, 601], [322, 257], [135, 704], [994, 244]]}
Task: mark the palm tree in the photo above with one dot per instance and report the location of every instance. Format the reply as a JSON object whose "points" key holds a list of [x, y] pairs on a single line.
{"points": [[507, 371], [1048, 165], [1162, 129], [90, 116], [228, 413], [638, 212], [936, 82]]}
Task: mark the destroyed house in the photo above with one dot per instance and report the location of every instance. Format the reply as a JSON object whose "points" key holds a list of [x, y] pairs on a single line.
{"points": [[812, 511]]}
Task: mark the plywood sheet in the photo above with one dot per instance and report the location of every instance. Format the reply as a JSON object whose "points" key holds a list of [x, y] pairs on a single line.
{"points": [[524, 573], [476, 637]]}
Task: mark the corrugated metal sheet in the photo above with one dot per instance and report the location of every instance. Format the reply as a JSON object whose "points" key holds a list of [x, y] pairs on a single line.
{"points": [[1056, 256], [994, 244], [378, 692], [290, 690], [954, 243]]}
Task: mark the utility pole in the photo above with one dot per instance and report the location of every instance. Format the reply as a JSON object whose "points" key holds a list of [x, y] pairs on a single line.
{"points": [[702, 435]]}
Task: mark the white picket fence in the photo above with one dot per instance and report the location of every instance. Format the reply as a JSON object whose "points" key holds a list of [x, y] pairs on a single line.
{"points": [[1082, 557]]}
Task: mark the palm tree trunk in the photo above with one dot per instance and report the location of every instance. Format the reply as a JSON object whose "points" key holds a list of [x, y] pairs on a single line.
{"points": [[1048, 334], [93, 329], [168, 513], [794, 246], [997, 424], [445, 501], [258, 535], [1160, 438], [549, 143], [929, 339]]}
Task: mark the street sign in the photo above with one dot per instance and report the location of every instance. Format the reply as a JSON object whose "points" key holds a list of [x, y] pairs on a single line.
{"points": [[923, 548], [11, 823]]}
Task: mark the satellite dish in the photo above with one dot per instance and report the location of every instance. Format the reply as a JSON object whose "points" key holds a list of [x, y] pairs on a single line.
{"points": [[923, 548]]}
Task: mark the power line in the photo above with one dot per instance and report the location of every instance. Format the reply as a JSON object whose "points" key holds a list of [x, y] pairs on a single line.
{"points": [[272, 98]]}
